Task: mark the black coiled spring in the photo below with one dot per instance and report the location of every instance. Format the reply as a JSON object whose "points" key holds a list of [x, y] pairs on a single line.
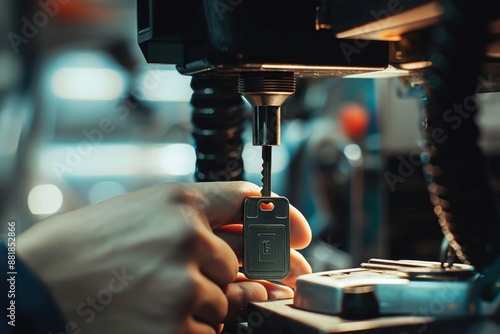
{"points": [[217, 120]]}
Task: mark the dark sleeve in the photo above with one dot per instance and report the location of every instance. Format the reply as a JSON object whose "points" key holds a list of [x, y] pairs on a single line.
{"points": [[24, 301]]}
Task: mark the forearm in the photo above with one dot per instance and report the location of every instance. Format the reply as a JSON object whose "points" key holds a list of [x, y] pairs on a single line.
{"points": [[27, 305]]}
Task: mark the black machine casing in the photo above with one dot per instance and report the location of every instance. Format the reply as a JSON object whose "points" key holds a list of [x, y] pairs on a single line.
{"points": [[230, 36]]}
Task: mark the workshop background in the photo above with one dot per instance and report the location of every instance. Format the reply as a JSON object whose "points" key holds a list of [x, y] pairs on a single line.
{"points": [[104, 122]]}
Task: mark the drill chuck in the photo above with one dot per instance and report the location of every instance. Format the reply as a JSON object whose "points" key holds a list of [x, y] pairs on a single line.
{"points": [[266, 127], [266, 92]]}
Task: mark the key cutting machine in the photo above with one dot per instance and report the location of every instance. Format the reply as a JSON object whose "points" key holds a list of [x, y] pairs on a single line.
{"points": [[256, 50]]}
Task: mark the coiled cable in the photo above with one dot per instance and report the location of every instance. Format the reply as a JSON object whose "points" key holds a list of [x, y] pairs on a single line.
{"points": [[459, 179]]}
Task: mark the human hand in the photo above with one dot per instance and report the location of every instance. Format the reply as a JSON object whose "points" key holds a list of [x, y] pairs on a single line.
{"points": [[148, 261], [224, 207]]}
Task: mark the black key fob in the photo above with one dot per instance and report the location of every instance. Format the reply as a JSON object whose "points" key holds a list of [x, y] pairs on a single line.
{"points": [[266, 238]]}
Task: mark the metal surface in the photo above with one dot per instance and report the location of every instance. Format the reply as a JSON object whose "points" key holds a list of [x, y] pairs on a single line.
{"points": [[393, 27], [281, 317], [425, 269], [396, 293], [299, 70], [266, 92], [266, 170], [404, 287]]}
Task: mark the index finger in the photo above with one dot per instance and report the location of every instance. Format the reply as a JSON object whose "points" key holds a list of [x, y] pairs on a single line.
{"points": [[224, 205]]}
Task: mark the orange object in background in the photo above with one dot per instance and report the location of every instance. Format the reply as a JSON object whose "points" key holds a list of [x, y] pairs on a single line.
{"points": [[353, 120], [81, 10]]}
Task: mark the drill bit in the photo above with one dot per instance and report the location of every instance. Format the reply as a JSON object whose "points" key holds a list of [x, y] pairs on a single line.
{"points": [[266, 171]]}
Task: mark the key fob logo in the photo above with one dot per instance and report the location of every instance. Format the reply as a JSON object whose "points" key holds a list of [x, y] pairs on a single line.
{"points": [[266, 252], [266, 247]]}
